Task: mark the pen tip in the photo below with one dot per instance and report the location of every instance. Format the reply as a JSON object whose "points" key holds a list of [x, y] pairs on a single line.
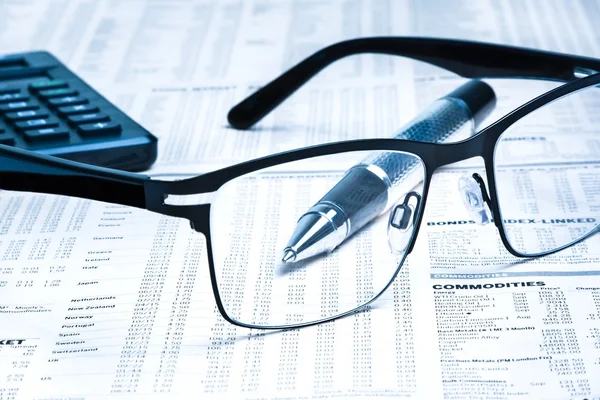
{"points": [[289, 255]]}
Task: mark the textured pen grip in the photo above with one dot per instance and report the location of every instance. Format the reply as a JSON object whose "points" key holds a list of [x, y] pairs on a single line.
{"points": [[443, 119]]}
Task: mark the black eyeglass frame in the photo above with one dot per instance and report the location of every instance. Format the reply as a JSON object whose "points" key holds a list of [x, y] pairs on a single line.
{"points": [[22, 170]]}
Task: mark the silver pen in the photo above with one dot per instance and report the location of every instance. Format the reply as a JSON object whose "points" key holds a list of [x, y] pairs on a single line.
{"points": [[334, 218]]}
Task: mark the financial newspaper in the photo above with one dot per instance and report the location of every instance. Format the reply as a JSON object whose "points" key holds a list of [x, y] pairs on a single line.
{"points": [[106, 301]]}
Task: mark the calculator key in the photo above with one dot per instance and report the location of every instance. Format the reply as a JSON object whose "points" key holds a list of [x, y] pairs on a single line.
{"points": [[7, 90], [19, 106], [46, 133], [47, 94], [78, 109], [67, 101], [48, 84], [12, 97], [6, 138], [88, 118], [29, 114], [3, 129], [99, 128], [37, 123]]}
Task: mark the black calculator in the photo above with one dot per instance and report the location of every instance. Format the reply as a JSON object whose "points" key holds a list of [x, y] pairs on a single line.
{"points": [[46, 108]]}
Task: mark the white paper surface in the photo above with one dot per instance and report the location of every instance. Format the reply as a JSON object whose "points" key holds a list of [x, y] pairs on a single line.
{"points": [[102, 301]]}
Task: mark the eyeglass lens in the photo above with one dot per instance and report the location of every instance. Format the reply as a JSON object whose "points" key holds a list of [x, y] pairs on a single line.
{"points": [[547, 171], [254, 216]]}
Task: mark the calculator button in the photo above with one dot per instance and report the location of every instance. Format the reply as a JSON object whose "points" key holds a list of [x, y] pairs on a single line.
{"points": [[6, 138], [79, 109], [5, 90], [88, 118], [99, 128], [57, 93], [37, 124], [48, 84], [46, 133], [12, 97], [21, 115], [67, 101], [19, 106]]}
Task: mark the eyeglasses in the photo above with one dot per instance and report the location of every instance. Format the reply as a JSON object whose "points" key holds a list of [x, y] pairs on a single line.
{"points": [[248, 211]]}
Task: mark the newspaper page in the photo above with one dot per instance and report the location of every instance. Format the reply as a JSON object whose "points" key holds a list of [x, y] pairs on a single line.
{"points": [[95, 307]]}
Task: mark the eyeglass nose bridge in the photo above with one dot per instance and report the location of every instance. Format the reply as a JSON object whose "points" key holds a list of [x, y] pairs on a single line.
{"points": [[475, 198]]}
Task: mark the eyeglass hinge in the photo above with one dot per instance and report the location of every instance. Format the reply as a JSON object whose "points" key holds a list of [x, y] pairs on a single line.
{"points": [[580, 72], [189, 199]]}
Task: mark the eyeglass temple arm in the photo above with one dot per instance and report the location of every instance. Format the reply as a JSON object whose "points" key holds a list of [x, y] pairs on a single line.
{"points": [[465, 58], [30, 172]]}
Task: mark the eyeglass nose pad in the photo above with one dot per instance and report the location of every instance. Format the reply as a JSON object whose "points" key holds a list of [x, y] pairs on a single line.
{"points": [[474, 195], [401, 223]]}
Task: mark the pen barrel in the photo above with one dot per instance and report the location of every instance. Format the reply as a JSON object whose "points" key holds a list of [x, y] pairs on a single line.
{"points": [[369, 188], [445, 119]]}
